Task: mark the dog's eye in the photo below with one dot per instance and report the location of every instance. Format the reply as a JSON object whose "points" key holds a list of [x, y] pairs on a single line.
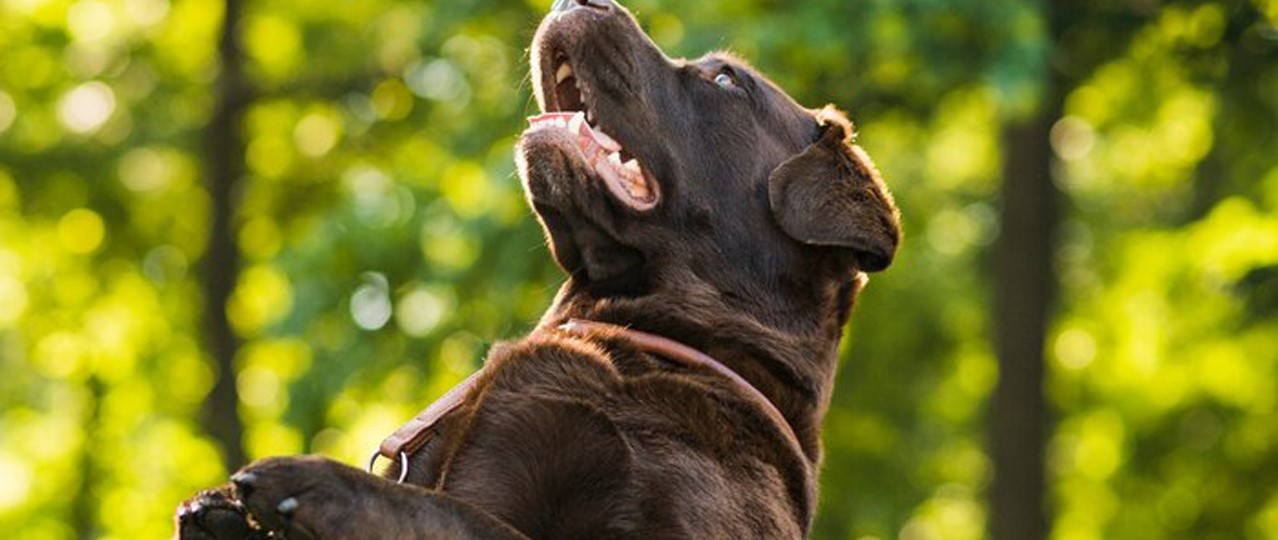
{"points": [[725, 80]]}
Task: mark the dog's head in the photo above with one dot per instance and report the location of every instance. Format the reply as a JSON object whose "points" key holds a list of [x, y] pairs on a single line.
{"points": [[642, 165]]}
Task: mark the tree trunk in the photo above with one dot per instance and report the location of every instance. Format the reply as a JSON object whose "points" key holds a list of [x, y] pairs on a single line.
{"points": [[84, 509], [1024, 287], [1023, 295], [224, 167]]}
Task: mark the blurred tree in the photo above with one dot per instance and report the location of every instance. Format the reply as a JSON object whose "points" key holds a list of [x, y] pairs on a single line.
{"points": [[224, 167], [1023, 289], [383, 244]]}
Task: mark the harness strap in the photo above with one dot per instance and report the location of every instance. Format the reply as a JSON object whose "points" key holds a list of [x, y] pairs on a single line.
{"points": [[413, 435]]}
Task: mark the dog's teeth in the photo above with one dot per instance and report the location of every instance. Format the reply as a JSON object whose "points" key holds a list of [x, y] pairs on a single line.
{"points": [[637, 187], [590, 117], [574, 125], [615, 159], [632, 166], [564, 72], [608, 143]]}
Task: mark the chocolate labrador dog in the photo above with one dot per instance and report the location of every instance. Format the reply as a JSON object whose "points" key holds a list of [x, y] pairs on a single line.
{"points": [[715, 234]]}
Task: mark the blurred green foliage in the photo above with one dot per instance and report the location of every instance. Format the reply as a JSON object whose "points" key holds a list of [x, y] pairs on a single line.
{"points": [[386, 245]]}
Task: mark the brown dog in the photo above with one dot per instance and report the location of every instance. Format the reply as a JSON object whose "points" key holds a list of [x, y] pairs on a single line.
{"points": [[692, 200]]}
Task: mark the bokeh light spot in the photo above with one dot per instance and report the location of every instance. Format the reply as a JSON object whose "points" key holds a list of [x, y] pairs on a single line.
{"points": [[263, 296], [1207, 25], [667, 30], [147, 12], [448, 248], [60, 354], [468, 189], [260, 388], [376, 197], [165, 265], [370, 304], [1099, 451], [272, 439], [437, 80], [421, 310], [81, 231], [316, 134], [1073, 138], [8, 111], [1075, 349], [13, 300], [90, 20], [286, 358], [17, 481], [391, 100], [271, 156], [144, 170], [274, 43], [88, 106], [260, 238]]}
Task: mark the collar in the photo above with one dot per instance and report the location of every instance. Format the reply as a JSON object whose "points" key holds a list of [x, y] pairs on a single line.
{"points": [[684, 356], [414, 434]]}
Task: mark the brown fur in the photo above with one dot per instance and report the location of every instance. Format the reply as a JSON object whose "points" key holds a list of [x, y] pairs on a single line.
{"points": [[768, 217]]}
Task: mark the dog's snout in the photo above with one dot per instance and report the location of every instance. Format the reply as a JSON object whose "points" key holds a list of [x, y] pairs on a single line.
{"points": [[562, 6]]}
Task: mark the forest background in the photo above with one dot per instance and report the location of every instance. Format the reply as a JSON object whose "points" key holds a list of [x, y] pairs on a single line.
{"points": [[242, 228]]}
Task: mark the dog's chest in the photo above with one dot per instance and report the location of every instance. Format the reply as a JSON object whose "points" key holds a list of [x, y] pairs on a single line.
{"points": [[565, 446]]}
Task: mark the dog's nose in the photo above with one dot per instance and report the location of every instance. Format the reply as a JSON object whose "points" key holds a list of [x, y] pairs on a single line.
{"points": [[562, 6]]}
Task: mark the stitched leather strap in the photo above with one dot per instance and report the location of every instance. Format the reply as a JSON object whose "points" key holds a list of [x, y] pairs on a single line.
{"points": [[413, 435], [687, 357]]}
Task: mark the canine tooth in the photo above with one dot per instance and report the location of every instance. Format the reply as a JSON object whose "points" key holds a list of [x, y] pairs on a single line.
{"points": [[605, 141], [632, 165], [590, 116], [574, 125], [564, 72], [615, 159]]}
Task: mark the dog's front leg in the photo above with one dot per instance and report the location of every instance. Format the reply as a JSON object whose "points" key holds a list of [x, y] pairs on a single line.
{"points": [[316, 498]]}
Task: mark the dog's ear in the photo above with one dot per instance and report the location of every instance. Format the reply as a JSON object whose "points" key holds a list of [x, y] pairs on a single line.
{"points": [[831, 195]]}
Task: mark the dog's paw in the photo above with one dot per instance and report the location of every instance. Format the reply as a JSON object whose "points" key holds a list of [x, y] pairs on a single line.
{"points": [[305, 497], [215, 515]]}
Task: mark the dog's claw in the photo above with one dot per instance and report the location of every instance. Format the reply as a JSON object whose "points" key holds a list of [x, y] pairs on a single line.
{"points": [[188, 509], [287, 506], [244, 478], [244, 483]]}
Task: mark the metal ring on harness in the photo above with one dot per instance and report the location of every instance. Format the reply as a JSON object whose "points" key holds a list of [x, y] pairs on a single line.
{"points": [[403, 465]]}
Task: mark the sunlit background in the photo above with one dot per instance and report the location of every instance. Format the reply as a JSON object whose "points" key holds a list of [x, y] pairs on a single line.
{"points": [[385, 245]]}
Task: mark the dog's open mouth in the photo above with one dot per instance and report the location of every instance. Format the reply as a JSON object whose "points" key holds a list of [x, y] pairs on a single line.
{"points": [[568, 109]]}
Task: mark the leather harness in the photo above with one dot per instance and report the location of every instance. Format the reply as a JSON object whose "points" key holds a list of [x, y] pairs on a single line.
{"points": [[414, 434]]}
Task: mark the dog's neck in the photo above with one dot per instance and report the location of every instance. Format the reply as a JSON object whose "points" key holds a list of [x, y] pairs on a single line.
{"points": [[790, 357]]}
